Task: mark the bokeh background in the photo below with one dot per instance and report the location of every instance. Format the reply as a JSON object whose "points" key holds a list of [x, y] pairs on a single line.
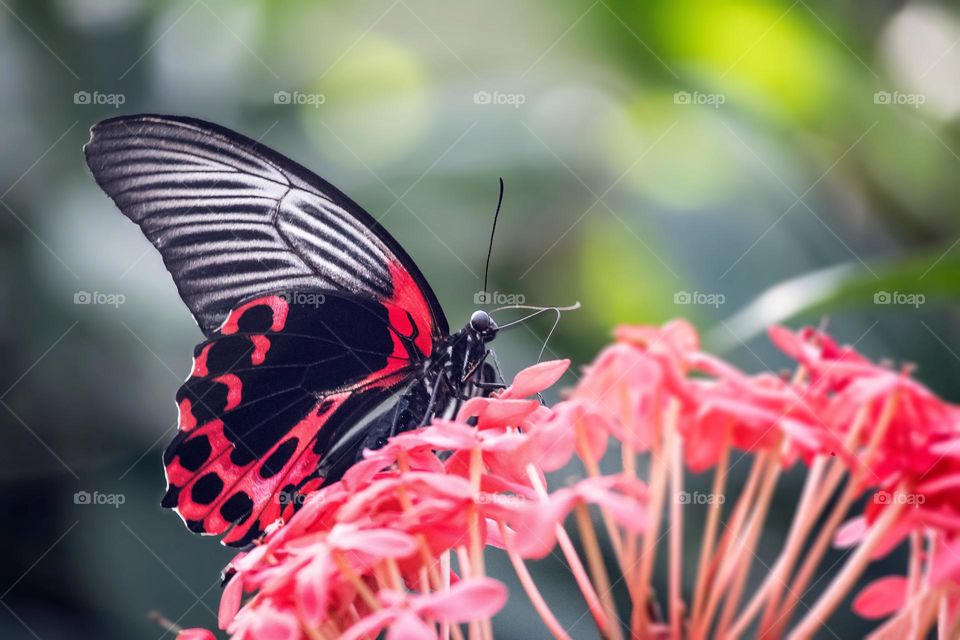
{"points": [[738, 163]]}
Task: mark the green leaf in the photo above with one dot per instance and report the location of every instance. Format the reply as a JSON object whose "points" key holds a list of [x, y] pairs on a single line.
{"points": [[912, 281]]}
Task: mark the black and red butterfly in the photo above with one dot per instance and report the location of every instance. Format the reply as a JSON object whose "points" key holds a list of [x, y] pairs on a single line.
{"points": [[314, 318]]}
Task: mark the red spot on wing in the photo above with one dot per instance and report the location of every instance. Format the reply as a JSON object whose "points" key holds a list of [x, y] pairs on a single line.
{"points": [[261, 344], [186, 420], [200, 362], [278, 305], [407, 297], [213, 431], [234, 386]]}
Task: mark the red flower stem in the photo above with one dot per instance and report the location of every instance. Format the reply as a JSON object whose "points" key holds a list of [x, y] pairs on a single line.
{"points": [[314, 633], [808, 568], [423, 580], [465, 563], [804, 518], [717, 575], [628, 460], [426, 556], [598, 572], [576, 565], [330, 631], [322, 631], [675, 575], [393, 570], [851, 492], [713, 519], [476, 540], [593, 470], [530, 586], [742, 560], [915, 577], [444, 584], [639, 624], [369, 598], [817, 492], [943, 620], [841, 584]]}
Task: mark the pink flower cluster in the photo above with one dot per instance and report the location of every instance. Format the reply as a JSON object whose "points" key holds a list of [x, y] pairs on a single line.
{"points": [[398, 545]]}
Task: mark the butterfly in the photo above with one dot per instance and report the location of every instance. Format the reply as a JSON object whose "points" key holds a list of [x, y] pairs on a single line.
{"points": [[314, 319]]}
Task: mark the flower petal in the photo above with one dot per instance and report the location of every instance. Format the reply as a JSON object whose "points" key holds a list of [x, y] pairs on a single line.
{"points": [[535, 379], [195, 634], [493, 412], [370, 625], [881, 597], [408, 626], [469, 599], [230, 601]]}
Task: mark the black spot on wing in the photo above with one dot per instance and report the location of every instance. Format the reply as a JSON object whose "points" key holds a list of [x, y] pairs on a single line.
{"points": [[171, 497], [279, 458], [228, 353], [194, 452], [256, 319], [237, 507], [206, 489]]}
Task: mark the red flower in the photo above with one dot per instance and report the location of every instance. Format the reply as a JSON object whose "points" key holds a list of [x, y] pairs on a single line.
{"points": [[397, 547], [404, 616], [195, 634]]}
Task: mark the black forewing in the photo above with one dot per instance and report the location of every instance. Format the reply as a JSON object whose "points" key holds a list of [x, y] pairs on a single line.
{"points": [[234, 219]]}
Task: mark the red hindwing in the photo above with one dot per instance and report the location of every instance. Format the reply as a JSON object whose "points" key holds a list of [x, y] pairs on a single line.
{"points": [[271, 393]]}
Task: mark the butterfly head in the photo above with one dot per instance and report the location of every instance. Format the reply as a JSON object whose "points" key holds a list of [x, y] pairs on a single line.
{"points": [[483, 325]]}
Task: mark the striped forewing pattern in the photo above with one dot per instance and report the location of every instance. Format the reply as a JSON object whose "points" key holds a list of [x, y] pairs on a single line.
{"points": [[234, 219]]}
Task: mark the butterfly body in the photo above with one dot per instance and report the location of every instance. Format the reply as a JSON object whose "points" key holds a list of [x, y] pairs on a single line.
{"points": [[314, 319]]}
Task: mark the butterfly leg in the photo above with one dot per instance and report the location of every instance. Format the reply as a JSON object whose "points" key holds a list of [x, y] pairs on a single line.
{"points": [[496, 367], [489, 378], [431, 406]]}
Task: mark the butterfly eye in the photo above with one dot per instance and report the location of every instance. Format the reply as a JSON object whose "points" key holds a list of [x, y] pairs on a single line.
{"points": [[481, 322]]}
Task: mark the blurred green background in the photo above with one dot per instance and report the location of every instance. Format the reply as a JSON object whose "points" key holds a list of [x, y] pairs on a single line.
{"points": [[734, 162]]}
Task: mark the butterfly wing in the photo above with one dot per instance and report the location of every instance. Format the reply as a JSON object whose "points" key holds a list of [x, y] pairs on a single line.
{"points": [[270, 394], [252, 241], [234, 219]]}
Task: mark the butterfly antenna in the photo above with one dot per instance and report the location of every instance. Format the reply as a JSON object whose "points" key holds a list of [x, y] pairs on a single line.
{"points": [[536, 312], [486, 269]]}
